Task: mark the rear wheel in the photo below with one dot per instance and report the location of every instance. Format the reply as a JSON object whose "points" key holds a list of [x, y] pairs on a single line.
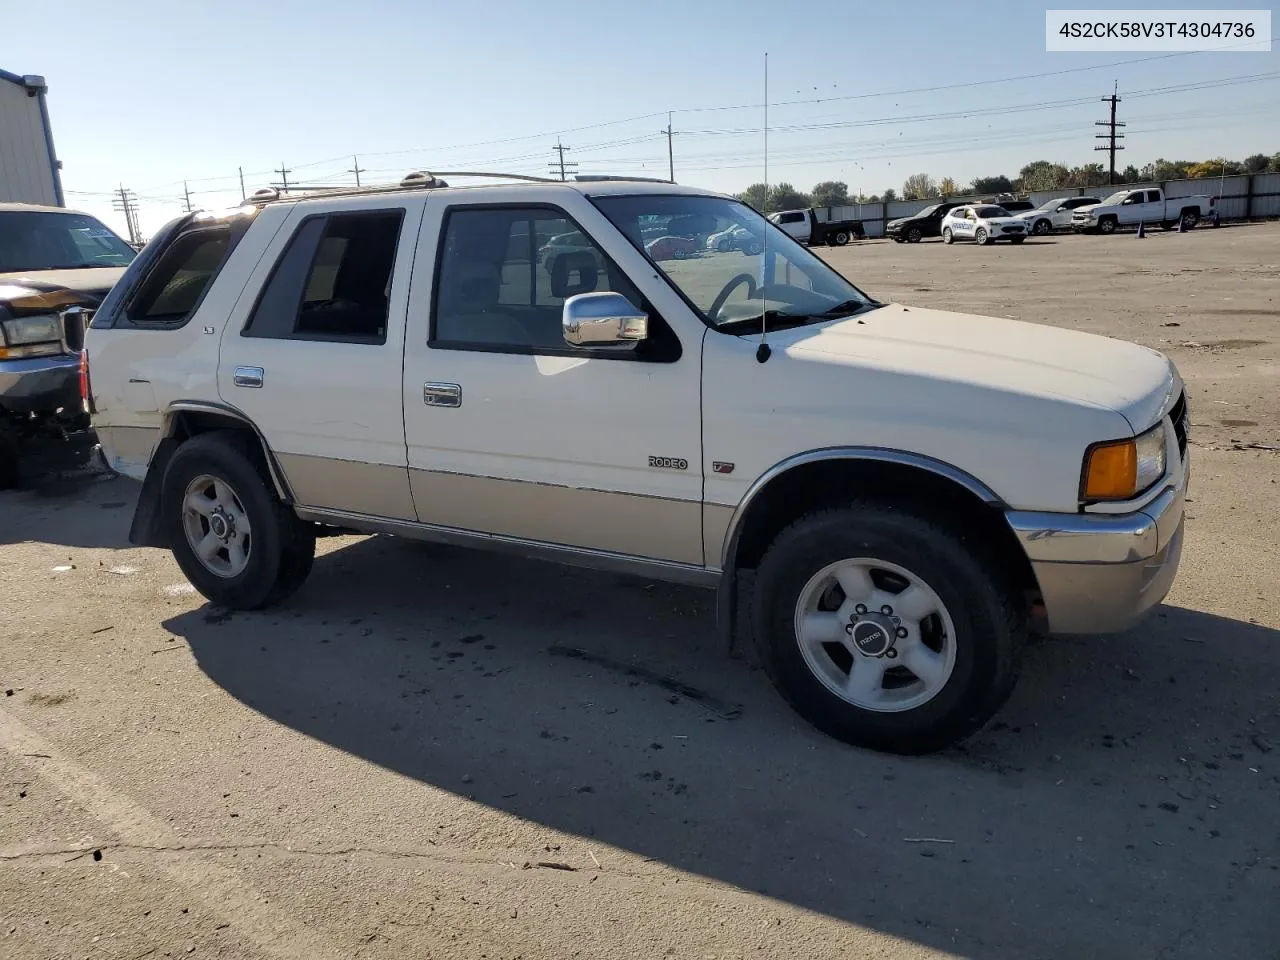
{"points": [[1189, 219], [841, 238], [947, 236], [885, 629], [240, 547]]}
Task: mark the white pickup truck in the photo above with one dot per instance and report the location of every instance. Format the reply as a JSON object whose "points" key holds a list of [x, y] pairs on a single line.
{"points": [[892, 497], [1128, 208]]}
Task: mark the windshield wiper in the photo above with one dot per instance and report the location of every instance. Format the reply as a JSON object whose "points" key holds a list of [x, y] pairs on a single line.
{"points": [[848, 309], [770, 319]]}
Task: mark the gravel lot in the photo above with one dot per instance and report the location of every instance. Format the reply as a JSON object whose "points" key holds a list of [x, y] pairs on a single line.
{"points": [[436, 753]]}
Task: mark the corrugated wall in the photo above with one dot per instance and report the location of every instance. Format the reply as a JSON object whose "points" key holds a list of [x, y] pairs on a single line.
{"points": [[26, 175]]}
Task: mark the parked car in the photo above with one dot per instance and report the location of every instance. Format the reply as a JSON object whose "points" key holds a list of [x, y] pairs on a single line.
{"points": [[807, 227], [1054, 214], [982, 224], [56, 265], [1126, 208], [911, 490], [926, 223], [561, 243], [671, 248], [735, 238]]}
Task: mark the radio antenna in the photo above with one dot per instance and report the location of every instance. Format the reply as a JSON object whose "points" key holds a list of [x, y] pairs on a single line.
{"points": [[763, 351]]}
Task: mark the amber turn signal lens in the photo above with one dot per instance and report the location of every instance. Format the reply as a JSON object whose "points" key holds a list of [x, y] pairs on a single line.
{"points": [[1112, 471]]}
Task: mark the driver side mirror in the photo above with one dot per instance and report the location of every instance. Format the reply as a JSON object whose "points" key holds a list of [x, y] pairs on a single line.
{"points": [[603, 319]]}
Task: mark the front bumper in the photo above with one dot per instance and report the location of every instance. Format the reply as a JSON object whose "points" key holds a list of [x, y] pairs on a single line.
{"points": [[40, 384], [1101, 573]]}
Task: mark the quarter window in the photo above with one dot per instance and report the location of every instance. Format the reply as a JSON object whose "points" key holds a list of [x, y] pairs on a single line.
{"points": [[178, 282], [333, 281]]}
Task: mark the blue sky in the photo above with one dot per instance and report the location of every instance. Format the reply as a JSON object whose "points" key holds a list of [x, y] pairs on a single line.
{"points": [[156, 93]]}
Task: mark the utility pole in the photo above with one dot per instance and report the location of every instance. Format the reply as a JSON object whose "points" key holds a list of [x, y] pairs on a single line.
{"points": [[561, 165], [284, 175], [357, 169], [125, 203], [1111, 146], [186, 196], [671, 162], [242, 194]]}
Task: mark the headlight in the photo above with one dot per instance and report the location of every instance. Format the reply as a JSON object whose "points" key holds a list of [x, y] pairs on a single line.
{"points": [[35, 336], [1122, 469]]}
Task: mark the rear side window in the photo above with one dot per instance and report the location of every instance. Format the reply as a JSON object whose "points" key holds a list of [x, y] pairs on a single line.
{"points": [[1153, 196], [176, 285], [791, 218], [333, 280]]}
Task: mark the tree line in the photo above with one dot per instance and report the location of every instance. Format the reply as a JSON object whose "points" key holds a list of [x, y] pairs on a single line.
{"points": [[1037, 175]]}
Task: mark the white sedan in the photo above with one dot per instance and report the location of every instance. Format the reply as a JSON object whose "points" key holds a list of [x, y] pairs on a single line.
{"points": [[983, 223]]}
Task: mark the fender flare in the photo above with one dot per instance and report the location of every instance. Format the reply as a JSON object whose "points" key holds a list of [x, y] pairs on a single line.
{"points": [[727, 589], [145, 529]]}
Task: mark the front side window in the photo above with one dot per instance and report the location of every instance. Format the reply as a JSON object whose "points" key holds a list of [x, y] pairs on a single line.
{"points": [[796, 217], [506, 272], [733, 285], [333, 281], [37, 240]]}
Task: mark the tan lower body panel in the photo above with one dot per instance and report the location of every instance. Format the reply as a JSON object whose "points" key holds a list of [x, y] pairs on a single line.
{"points": [[133, 444], [378, 489], [595, 519], [715, 527]]}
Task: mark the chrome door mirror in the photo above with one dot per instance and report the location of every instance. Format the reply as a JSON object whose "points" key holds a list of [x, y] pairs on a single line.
{"points": [[603, 319]]}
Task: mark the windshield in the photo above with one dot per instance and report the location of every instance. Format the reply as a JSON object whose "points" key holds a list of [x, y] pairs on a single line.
{"points": [[987, 212], [39, 240], [1117, 196], [1050, 204], [928, 211], [760, 271]]}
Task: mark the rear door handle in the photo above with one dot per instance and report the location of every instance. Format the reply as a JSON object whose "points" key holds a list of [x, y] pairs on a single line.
{"points": [[248, 376], [442, 394]]}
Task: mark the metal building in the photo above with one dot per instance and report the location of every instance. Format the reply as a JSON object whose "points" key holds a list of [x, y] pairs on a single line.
{"points": [[29, 168]]}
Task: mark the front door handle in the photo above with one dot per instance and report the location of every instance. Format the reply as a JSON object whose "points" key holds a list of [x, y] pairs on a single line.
{"points": [[248, 376], [442, 394]]}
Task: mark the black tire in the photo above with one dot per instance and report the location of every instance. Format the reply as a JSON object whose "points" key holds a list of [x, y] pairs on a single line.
{"points": [[1043, 227], [1016, 239], [1190, 219], [841, 238], [915, 235], [283, 547], [989, 620], [1108, 225]]}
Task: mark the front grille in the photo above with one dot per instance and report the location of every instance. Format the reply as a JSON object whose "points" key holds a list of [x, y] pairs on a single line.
{"points": [[1010, 229], [1181, 418]]}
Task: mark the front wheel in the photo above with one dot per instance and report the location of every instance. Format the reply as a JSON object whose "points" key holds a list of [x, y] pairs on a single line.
{"points": [[1107, 225], [981, 236], [885, 629], [915, 235], [240, 547], [947, 236], [1043, 227]]}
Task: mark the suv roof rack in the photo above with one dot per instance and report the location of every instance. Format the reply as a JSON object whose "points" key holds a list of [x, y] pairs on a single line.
{"points": [[595, 177]]}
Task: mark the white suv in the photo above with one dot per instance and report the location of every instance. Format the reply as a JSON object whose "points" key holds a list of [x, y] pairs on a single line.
{"points": [[908, 490]]}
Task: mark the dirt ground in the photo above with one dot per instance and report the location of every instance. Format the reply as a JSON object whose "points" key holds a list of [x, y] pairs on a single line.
{"points": [[436, 753]]}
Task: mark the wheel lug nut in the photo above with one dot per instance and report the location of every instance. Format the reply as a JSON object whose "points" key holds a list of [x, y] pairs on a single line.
{"points": [[860, 608], [901, 633], [887, 610]]}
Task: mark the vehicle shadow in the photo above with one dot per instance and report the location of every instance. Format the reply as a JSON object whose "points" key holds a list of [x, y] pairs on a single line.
{"points": [[1122, 805], [49, 486]]}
